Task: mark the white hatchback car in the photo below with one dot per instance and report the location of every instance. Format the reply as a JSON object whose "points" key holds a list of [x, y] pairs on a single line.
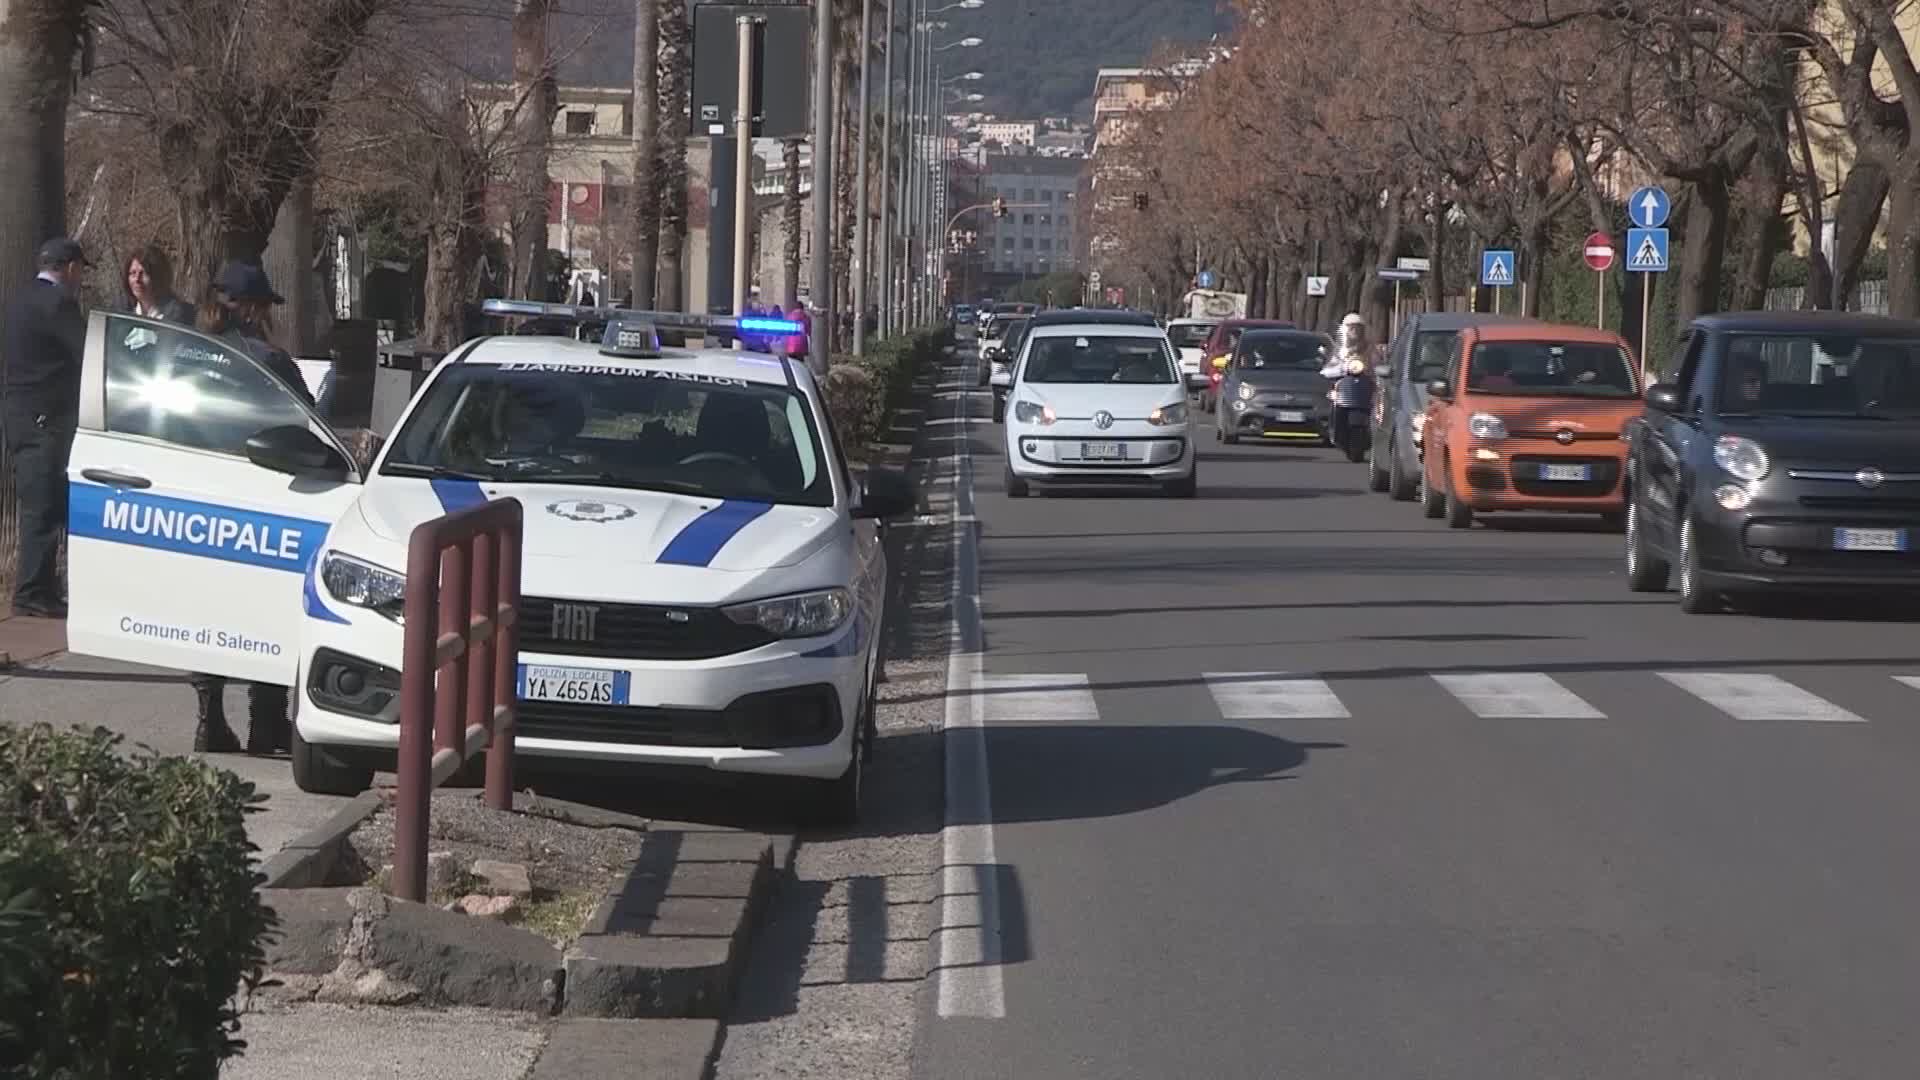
{"points": [[1095, 404], [1189, 339], [703, 577]]}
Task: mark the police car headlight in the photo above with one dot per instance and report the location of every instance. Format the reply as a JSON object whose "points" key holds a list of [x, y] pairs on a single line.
{"points": [[806, 615], [362, 584]]}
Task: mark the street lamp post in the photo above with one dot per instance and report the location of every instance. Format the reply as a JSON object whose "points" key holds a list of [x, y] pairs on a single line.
{"points": [[886, 183], [859, 261], [820, 269]]}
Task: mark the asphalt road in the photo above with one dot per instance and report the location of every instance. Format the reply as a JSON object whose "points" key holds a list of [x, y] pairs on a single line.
{"points": [[1288, 781]]}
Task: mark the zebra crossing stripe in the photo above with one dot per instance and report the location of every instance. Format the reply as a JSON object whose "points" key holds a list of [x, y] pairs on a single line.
{"points": [[1517, 696], [1273, 696], [1759, 697], [1910, 680], [1053, 699]]}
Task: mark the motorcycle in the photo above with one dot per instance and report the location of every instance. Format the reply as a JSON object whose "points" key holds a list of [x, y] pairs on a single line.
{"points": [[1349, 426]]}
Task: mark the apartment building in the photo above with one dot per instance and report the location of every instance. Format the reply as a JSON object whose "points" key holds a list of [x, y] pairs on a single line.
{"points": [[1039, 235]]}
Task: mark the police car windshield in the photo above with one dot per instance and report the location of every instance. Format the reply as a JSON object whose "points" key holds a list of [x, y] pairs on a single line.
{"points": [[1093, 358], [616, 426]]}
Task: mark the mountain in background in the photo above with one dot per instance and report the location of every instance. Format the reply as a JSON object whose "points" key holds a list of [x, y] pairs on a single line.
{"points": [[1039, 56]]}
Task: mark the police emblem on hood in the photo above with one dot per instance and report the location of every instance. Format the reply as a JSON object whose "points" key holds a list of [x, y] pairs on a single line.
{"points": [[596, 512]]}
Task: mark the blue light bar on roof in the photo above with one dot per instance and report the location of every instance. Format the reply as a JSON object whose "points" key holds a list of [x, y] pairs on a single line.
{"points": [[753, 325]]}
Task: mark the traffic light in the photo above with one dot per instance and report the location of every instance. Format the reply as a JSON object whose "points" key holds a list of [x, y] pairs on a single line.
{"points": [[1140, 200], [999, 206]]}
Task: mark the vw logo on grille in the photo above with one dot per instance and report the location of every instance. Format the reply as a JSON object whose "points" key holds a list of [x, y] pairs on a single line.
{"points": [[1870, 477], [1103, 419], [1563, 437], [575, 622]]}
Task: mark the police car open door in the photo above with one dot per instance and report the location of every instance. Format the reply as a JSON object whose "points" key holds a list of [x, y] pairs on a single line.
{"points": [[200, 489]]}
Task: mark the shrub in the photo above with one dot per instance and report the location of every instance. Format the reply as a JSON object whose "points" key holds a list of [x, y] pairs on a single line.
{"points": [[864, 391], [128, 911]]}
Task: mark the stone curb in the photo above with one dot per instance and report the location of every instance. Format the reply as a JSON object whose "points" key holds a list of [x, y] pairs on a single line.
{"points": [[654, 1049], [314, 857], [671, 939], [668, 941]]}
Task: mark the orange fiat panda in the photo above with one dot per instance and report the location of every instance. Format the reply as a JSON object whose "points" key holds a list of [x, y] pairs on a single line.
{"points": [[1528, 418]]}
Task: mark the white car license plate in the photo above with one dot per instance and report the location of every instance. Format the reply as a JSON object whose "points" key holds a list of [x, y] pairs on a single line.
{"points": [[1103, 451], [1290, 416], [1565, 472], [1869, 539], [576, 686]]}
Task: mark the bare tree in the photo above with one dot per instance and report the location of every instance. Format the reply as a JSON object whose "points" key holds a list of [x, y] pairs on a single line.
{"points": [[790, 217], [39, 40], [233, 94]]}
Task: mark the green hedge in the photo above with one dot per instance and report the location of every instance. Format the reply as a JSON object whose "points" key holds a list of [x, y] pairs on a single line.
{"points": [[128, 912], [864, 391]]}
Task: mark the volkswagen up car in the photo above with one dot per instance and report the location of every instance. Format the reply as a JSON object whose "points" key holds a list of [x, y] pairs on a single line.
{"points": [[1095, 404]]}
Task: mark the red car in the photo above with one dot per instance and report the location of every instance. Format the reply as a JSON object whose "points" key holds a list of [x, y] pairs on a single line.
{"points": [[1219, 349]]}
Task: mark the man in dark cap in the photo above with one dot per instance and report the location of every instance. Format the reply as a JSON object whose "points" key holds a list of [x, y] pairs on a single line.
{"points": [[45, 332]]}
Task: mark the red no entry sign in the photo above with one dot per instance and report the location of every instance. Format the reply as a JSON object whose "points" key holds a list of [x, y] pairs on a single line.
{"points": [[1599, 251]]}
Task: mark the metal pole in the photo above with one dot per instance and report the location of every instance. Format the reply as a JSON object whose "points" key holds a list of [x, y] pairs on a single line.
{"points": [[886, 183], [860, 183], [742, 166], [820, 271], [916, 147], [1646, 303], [1600, 300]]}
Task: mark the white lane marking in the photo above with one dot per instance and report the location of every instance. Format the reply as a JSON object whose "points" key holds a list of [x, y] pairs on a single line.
{"points": [[1759, 697], [971, 982], [1910, 680], [1047, 699], [1521, 695], [1268, 695]]}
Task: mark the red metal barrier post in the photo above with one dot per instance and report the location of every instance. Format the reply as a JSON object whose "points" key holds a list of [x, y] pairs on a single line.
{"points": [[458, 670]]}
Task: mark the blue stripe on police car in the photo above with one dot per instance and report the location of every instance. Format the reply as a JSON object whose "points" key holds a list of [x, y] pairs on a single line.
{"points": [[701, 540], [204, 530]]}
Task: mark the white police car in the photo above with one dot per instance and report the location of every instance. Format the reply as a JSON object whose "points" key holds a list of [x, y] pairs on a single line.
{"points": [[703, 581]]}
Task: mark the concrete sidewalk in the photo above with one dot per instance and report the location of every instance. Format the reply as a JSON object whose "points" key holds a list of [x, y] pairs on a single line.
{"points": [[24, 639]]}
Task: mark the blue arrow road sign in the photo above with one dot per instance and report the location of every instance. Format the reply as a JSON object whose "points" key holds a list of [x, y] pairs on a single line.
{"points": [[1496, 268], [1647, 251], [1648, 208], [1206, 279]]}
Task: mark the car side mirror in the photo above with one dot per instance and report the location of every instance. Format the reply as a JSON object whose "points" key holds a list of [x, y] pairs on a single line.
{"points": [[1664, 397], [1381, 371], [1441, 389], [293, 450], [885, 493]]}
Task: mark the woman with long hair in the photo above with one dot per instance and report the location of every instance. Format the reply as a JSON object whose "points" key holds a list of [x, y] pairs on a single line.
{"points": [[146, 287]]}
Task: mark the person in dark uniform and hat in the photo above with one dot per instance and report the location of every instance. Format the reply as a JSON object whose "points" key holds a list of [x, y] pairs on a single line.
{"points": [[241, 314], [39, 408]]}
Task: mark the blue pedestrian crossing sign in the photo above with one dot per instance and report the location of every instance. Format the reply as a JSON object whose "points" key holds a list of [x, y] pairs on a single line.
{"points": [[1206, 279], [1496, 268], [1647, 208], [1647, 251]]}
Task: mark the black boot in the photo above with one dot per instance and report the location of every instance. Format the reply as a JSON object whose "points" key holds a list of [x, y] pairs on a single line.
{"points": [[268, 731], [212, 736]]}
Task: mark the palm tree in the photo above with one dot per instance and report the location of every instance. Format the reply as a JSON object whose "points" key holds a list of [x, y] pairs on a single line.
{"points": [[644, 213], [790, 218], [676, 55]]}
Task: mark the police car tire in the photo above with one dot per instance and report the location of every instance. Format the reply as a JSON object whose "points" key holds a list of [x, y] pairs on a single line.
{"points": [[317, 774], [836, 802]]}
